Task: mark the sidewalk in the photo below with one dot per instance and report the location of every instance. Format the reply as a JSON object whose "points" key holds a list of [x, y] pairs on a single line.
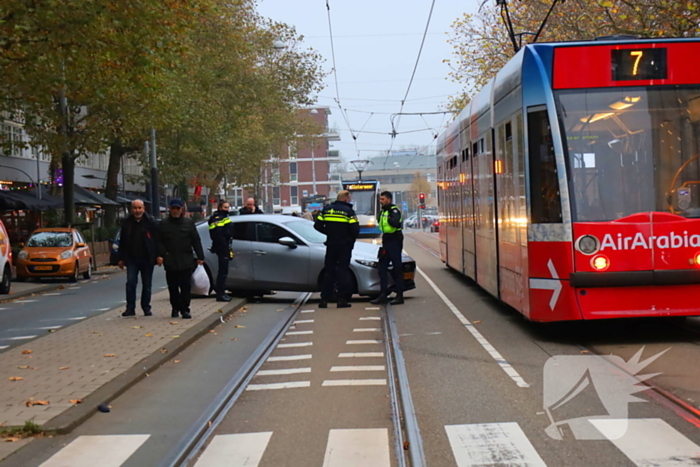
{"points": [[95, 361]]}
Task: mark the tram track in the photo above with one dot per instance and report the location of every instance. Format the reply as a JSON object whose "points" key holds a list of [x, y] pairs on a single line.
{"points": [[408, 446]]}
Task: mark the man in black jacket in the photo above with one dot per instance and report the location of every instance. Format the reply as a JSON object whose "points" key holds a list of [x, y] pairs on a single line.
{"points": [[339, 222], [390, 223], [250, 208], [177, 240], [221, 231], [137, 251]]}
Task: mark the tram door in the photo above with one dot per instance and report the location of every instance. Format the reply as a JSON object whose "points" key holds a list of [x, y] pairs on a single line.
{"points": [[467, 202], [485, 211]]}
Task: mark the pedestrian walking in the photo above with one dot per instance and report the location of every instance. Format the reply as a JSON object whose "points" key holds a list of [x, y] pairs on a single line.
{"points": [[250, 208], [390, 223], [307, 215], [138, 248], [221, 232], [178, 244], [339, 222]]}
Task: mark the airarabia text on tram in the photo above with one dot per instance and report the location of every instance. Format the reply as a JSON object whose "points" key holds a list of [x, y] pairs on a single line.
{"points": [[660, 241]]}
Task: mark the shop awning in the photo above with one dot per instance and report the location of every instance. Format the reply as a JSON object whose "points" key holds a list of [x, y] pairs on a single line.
{"points": [[85, 196], [27, 200]]}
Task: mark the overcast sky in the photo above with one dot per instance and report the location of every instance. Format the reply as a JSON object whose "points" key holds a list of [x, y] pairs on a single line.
{"points": [[376, 46]]}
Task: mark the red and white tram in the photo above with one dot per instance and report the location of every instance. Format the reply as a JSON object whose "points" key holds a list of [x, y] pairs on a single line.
{"points": [[569, 187]]}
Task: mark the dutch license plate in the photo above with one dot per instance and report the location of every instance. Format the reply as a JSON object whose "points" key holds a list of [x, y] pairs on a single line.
{"points": [[408, 276], [42, 268]]}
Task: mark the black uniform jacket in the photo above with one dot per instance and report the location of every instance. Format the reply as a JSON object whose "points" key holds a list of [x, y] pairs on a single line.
{"points": [[221, 233], [339, 222]]}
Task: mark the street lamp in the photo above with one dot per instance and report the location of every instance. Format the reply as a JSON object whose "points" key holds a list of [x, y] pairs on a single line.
{"points": [[360, 166]]}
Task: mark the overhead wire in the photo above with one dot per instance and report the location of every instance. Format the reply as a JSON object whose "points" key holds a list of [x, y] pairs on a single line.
{"points": [[394, 132]]}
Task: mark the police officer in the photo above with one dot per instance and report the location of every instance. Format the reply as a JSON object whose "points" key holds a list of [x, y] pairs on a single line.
{"points": [[220, 231], [392, 245], [339, 223]]}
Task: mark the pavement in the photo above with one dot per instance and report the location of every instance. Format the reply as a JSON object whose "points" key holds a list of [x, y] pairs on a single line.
{"points": [[94, 361]]}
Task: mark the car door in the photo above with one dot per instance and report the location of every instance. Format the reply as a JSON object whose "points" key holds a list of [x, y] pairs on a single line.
{"points": [[82, 252], [240, 270], [280, 267]]}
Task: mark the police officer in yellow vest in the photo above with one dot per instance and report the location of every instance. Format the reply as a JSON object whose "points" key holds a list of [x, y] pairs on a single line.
{"points": [[390, 224], [221, 232], [339, 223]]}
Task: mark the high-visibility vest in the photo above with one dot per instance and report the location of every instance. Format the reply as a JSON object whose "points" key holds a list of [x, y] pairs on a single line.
{"points": [[384, 222]]}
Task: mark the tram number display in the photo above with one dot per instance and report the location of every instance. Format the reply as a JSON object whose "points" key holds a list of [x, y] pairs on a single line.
{"points": [[638, 64], [360, 187]]}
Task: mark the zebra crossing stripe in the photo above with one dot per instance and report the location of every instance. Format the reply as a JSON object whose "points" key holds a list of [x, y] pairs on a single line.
{"points": [[649, 441], [358, 447], [492, 444], [89, 451], [239, 450]]}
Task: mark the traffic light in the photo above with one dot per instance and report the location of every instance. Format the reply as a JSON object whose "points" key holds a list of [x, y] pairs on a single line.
{"points": [[421, 201]]}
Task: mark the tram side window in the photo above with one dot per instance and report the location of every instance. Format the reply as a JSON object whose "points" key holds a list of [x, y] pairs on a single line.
{"points": [[544, 182]]}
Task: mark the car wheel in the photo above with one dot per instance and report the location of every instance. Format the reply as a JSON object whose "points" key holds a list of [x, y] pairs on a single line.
{"points": [[87, 274], [76, 273], [5, 284]]}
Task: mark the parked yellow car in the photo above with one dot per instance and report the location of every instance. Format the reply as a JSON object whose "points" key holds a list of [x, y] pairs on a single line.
{"points": [[54, 252]]}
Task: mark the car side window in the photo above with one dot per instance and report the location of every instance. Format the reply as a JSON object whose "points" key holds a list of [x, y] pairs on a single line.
{"points": [[244, 231], [271, 233], [79, 237]]}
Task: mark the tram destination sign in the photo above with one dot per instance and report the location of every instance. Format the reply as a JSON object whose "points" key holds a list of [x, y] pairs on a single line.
{"points": [[361, 186], [634, 64]]}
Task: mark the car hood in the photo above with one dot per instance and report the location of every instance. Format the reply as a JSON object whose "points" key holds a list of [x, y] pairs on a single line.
{"points": [[364, 250], [49, 252]]}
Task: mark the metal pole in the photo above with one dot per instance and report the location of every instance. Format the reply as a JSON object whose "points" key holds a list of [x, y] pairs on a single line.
{"points": [[313, 166], [38, 176], [149, 188], [155, 201]]}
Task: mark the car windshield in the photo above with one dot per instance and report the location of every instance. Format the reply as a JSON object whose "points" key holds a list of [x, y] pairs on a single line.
{"points": [[364, 203], [306, 230], [51, 239], [631, 150]]}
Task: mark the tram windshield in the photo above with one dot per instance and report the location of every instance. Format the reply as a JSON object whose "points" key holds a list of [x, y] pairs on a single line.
{"points": [[631, 150], [363, 202]]}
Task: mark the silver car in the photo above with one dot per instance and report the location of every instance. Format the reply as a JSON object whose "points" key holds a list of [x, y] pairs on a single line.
{"points": [[274, 252]]}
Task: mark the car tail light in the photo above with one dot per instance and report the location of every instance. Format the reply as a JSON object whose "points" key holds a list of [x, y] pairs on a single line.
{"points": [[600, 263]]}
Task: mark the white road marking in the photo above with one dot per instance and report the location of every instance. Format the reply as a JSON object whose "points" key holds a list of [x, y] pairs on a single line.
{"points": [[303, 321], [290, 384], [103, 309], [360, 354], [287, 358], [649, 441], [105, 451], [77, 318], [365, 447], [492, 444], [238, 450], [49, 327], [370, 318], [25, 301], [73, 288], [510, 371], [297, 333], [3, 347], [372, 308], [51, 294], [359, 368], [296, 344], [354, 382], [371, 341], [20, 338], [307, 311], [366, 329], [285, 371]]}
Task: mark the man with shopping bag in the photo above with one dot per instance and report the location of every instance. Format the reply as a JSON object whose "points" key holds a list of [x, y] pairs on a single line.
{"points": [[178, 245]]}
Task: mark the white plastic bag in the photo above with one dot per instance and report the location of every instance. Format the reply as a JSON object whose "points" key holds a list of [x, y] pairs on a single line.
{"points": [[200, 281]]}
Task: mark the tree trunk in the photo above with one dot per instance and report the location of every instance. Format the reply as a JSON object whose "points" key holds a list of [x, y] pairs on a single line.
{"points": [[68, 163], [116, 152]]}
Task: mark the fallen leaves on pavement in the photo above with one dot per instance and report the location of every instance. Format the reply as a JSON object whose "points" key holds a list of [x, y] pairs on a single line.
{"points": [[32, 402], [238, 326], [163, 350], [26, 352], [150, 334], [109, 355], [76, 401], [63, 368], [15, 378], [173, 322], [136, 327], [23, 367], [175, 337]]}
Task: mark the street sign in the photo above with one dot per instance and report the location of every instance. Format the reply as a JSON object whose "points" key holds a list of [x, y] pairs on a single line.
{"points": [[305, 193], [404, 205]]}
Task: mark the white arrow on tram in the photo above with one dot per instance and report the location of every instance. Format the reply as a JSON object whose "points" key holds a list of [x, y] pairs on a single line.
{"points": [[553, 284]]}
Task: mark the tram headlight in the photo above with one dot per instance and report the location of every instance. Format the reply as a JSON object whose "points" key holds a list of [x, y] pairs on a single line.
{"points": [[588, 244], [697, 259], [600, 263]]}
